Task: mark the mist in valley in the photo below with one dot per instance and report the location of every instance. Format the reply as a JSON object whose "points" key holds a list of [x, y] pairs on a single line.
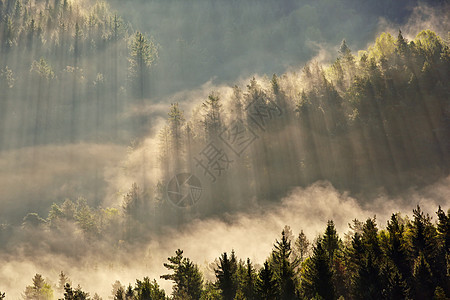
{"points": [[280, 113]]}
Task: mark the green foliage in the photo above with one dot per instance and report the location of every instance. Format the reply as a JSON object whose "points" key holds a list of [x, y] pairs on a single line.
{"points": [[77, 294], [210, 292], [267, 287], [383, 48], [247, 279], [430, 45], [226, 274], [132, 201], [330, 240], [371, 97], [148, 290], [301, 246], [212, 119], [407, 260], [423, 235], [188, 280], [284, 268], [368, 283], [423, 279], [143, 52], [316, 276], [443, 228], [40, 290], [85, 217], [175, 122], [119, 294]]}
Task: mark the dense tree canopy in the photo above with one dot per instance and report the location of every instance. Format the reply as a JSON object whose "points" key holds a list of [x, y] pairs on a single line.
{"points": [[406, 260]]}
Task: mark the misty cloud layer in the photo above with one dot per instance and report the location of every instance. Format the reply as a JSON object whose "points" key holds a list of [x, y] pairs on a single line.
{"points": [[203, 46], [231, 40], [249, 234]]}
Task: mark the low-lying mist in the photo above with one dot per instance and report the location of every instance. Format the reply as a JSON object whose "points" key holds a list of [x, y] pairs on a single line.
{"points": [[96, 266], [90, 140]]}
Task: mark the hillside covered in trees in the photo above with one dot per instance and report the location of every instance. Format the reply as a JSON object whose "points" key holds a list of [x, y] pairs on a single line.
{"points": [[73, 73], [378, 119], [408, 259], [74, 63], [103, 152]]}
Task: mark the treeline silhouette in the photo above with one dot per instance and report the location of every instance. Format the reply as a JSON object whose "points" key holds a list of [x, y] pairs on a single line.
{"points": [[409, 259]]}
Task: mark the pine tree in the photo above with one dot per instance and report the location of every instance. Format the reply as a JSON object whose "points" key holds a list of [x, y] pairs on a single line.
{"points": [[283, 268], [132, 201], [301, 246], [368, 283], [119, 294], [443, 228], [396, 250], [176, 121], [249, 282], [148, 290], [143, 53], [96, 297], [370, 240], [330, 240], [134, 211], [118, 291], [188, 281], [423, 237], [316, 277], [226, 276], [63, 280], [396, 286], [267, 287], [401, 45], [212, 109], [77, 294], [344, 50], [424, 286], [129, 293]]}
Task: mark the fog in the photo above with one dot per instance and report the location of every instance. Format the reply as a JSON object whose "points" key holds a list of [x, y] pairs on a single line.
{"points": [[249, 234], [78, 126]]}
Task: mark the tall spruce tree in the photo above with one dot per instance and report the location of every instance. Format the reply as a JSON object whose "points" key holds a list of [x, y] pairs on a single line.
{"points": [[226, 276], [267, 287], [283, 268], [143, 53], [188, 281], [316, 276]]}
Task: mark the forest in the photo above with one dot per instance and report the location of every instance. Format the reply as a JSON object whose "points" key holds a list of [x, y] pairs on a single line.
{"points": [[376, 119], [408, 259], [79, 83]]}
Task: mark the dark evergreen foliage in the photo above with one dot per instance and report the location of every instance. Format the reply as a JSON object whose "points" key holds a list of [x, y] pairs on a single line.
{"points": [[406, 260]]}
